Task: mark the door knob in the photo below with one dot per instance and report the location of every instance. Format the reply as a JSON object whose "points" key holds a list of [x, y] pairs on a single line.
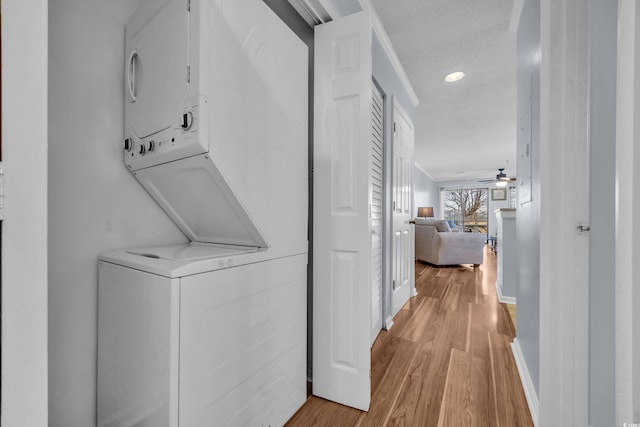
{"points": [[412, 221]]}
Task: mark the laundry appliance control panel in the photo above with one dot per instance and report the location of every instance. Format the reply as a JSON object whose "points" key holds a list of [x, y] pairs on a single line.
{"points": [[186, 137]]}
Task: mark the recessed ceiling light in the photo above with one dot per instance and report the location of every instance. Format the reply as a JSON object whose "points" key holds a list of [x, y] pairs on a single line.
{"points": [[454, 77]]}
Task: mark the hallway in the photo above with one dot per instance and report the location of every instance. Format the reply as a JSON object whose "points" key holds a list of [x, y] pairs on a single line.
{"points": [[445, 362]]}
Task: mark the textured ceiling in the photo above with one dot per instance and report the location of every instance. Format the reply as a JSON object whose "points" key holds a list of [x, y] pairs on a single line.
{"points": [[467, 126]]}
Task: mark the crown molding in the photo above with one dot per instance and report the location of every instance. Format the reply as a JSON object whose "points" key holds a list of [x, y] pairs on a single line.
{"points": [[425, 172]]}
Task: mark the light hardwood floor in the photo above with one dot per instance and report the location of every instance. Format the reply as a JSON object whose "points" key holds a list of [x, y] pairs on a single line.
{"points": [[445, 362]]}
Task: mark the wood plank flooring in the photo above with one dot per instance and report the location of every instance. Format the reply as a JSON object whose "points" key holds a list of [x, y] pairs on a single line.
{"points": [[445, 362]]}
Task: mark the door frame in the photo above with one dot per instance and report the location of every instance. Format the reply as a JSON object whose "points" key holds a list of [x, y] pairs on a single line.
{"points": [[24, 237], [627, 237], [385, 200]]}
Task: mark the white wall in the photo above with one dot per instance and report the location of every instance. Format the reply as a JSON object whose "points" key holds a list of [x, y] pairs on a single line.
{"points": [[391, 88], [95, 205], [528, 214], [24, 229], [604, 16], [426, 192]]}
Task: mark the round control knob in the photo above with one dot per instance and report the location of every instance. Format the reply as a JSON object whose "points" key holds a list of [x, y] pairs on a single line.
{"points": [[142, 150], [187, 120], [151, 145], [128, 144]]}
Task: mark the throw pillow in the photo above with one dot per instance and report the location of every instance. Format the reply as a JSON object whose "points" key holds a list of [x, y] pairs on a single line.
{"points": [[440, 224]]}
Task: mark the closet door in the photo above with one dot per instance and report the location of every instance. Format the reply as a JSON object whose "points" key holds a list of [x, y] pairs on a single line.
{"points": [[342, 230], [375, 201]]}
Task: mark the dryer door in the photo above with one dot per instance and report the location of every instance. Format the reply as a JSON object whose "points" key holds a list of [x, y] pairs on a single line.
{"points": [[157, 60]]}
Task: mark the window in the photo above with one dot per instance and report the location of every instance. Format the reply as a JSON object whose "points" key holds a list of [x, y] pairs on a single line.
{"points": [[467, 207]]}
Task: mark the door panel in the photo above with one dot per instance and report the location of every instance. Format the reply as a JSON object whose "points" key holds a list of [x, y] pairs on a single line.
{"points": [[403, 246], [342, 238], [157, 50]]}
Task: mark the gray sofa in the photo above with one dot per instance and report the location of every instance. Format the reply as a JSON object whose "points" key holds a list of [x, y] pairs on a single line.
{"points": [[438, 245]]}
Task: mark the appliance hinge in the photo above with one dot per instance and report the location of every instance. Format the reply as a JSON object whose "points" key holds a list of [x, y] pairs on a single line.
{"points": [[1, 191], [188, 74], [188, 5]]}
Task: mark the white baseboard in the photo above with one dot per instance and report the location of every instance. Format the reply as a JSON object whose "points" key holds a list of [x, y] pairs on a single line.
{"points": [[388, 323], [503, 298], [527, 383]]}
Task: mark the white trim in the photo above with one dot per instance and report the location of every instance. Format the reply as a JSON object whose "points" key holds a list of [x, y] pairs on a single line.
{"points": [[627, 209], [388, 323], [503, 298], [525, 379], [311, 11], [24, 237], [390, 51]]}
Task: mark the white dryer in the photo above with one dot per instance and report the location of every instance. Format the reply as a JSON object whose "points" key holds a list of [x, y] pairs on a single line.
{"points": [[212, 332]]}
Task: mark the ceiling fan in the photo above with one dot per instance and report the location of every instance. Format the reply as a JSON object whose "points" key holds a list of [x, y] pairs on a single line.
{"points": [[501, 179]]}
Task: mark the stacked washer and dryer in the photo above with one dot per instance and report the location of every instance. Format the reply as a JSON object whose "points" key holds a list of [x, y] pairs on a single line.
{"points": [[213, 332]]}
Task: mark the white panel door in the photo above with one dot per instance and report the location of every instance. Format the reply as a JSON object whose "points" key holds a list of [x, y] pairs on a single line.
{"points": [[403, 248], [377, 141], [342, 232]]}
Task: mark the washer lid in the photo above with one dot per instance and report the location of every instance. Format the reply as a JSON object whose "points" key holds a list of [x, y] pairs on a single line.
{"points": [[199, 200]]}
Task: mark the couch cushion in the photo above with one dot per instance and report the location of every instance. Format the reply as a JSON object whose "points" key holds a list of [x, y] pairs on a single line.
{"points": [[440, 224]]}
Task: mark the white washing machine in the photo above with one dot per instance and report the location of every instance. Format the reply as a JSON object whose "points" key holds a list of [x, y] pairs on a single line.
{"points": [[211, 333], [191, 339]]}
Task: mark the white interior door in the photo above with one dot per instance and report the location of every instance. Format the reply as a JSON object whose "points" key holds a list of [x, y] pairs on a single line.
{"points": [[563, 153], [342, 231], [403, 247], [377, 142]]}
